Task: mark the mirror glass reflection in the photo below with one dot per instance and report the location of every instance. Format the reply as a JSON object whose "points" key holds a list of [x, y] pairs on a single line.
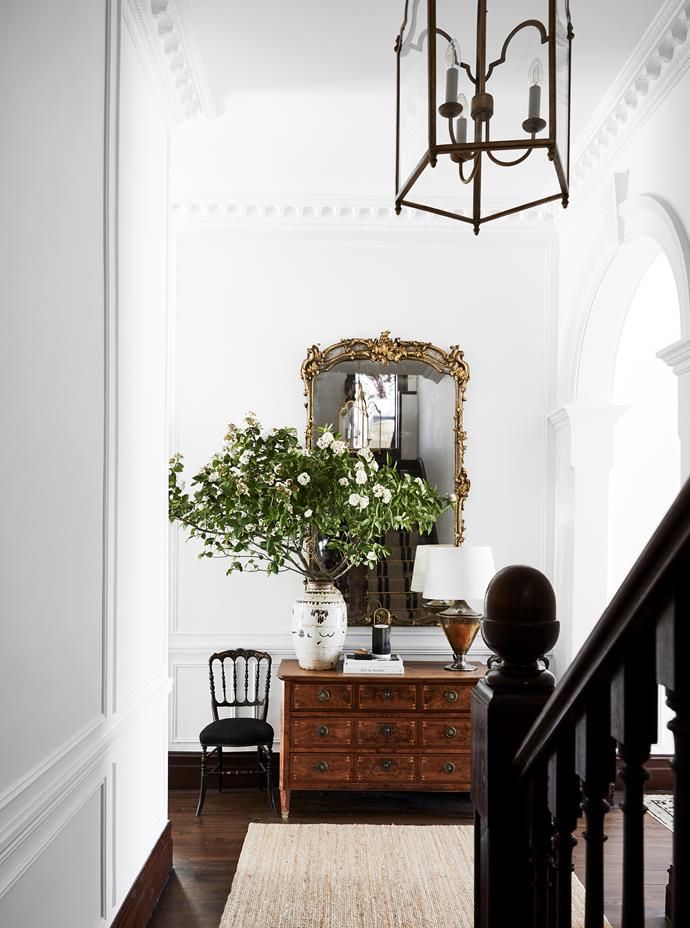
{"points": [[403, 412]]}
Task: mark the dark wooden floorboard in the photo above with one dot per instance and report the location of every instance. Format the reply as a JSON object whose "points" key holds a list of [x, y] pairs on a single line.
{"points": [[206, 849]]}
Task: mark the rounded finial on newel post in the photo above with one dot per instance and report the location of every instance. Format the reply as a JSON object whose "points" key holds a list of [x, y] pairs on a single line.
{"points": [[520, 626]]}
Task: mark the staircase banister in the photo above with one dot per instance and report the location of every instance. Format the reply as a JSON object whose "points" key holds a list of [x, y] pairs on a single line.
{"points": [[644, 592]]}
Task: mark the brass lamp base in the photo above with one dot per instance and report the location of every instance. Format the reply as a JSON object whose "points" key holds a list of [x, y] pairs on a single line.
{"points": [[460, 625]]}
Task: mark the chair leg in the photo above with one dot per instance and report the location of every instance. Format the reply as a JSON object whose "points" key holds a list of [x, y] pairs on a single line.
{"points": [[269, 776], [202, 787], [260, 768], [220, 768]]}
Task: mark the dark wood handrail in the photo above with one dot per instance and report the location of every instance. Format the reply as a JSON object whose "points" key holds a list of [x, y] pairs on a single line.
{"points": [[644, 593]]}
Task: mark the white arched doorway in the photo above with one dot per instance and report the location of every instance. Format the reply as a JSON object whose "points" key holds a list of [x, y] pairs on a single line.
{"points": [[609, 464]]}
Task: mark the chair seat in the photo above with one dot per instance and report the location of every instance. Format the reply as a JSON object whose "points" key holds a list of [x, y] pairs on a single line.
{"points": [[237, 732]]}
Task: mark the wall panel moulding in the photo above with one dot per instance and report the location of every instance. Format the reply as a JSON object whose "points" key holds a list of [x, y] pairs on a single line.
{"points": [[164, 35], [653, 70]]}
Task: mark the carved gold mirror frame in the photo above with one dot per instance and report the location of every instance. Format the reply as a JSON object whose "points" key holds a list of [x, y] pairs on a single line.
{"points": [[385, 351]]}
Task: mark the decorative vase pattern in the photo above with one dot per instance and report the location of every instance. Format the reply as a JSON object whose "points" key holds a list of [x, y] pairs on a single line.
{"points": [[319, 624]]}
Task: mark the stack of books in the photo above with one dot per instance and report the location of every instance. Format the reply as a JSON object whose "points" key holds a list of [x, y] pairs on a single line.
{"points": [[365, 663]]}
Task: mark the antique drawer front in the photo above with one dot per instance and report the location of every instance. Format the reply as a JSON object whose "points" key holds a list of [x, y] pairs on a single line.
{"points": [[382, 695], [445, 768], [325, 696], [319, 768], [387, 731], [455, 734], [447, 696], [312, 733], [383, 768]]}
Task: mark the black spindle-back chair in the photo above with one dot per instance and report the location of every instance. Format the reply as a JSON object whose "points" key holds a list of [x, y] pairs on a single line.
{"points": [[239, 680]]}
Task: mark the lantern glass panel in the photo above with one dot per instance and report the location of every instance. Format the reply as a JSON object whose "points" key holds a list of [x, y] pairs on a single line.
{"points": [[562, 80], [413, 134]]}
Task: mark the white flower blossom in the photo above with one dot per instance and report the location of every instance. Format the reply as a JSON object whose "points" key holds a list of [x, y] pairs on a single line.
{"points": [[386, 496], [354, 499], [303, 479], [343, 481], [251, 419], [325, 440], [374, 465], [338, 447], [250, 527], [366, 454], [453, 497], [378, 490], [371, 556], [363, 502], [246, 456], [308, 513], [361, 477]]}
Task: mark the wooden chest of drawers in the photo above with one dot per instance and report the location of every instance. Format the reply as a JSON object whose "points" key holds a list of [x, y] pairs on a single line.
{"points": [[386, 733]]}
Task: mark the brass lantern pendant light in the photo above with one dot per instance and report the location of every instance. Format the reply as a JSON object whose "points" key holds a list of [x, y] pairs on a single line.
{"points": [[539, 110]]}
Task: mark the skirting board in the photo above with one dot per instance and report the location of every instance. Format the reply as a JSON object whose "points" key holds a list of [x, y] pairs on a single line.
{"points": [[239, 769], [141, 900]]}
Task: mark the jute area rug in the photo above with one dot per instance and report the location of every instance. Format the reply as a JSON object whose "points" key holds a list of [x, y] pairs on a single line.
{"points": [[661, 807], [358, 876]]}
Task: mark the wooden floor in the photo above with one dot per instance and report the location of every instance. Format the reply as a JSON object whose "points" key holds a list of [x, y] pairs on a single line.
{"points": [[206, 849]]}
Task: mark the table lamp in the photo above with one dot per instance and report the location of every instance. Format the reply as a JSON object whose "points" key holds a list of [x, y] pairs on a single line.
{"points": [[452, 576]]}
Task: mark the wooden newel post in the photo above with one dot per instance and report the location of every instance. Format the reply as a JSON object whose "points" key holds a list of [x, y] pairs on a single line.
{"points": [[511, 850]]}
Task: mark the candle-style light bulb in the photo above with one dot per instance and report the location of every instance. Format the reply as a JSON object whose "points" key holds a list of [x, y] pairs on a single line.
{"points": [[534, 123], [536, 78], [452, 71], [449, 108]]}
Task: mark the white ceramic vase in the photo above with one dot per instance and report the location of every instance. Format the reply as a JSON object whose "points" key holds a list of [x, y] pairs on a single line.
{"points": [[319, 624]]}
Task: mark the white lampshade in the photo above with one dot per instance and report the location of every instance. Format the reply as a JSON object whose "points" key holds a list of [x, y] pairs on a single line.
{"points": [[421, 557], [454, 573]]}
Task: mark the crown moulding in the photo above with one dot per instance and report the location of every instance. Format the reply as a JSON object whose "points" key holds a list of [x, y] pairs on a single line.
{"points": [[655, 67], [164, 34]]}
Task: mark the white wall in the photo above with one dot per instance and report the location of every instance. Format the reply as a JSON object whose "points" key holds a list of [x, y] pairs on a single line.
{"points": [[252, 296], [82, 555]]}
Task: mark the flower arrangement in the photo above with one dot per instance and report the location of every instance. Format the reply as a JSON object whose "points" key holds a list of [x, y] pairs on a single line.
{"points": [[268, 504]]}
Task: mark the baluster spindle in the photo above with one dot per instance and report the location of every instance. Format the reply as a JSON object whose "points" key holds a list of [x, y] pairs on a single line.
{"points": [[634, 726], [540, 838], [564, 805], [673, 641], [595, 764]]}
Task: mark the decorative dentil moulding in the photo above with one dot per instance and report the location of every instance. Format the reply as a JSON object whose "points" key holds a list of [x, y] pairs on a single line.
{"points": [[378, 214], [164, 33]]}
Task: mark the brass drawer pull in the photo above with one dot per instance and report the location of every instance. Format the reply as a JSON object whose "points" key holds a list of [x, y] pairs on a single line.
{"points": [[386, 764], [451, 695], [387, 730], [386, 694], [450, 732], [322, 731], [322, 766], [323, 695], [448, 767]]}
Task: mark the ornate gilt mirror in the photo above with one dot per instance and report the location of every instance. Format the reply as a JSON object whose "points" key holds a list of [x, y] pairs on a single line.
{"points": [[403, 400]]}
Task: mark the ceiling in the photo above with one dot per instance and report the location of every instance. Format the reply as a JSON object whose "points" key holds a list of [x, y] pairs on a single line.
{"points": [[256, 47]]}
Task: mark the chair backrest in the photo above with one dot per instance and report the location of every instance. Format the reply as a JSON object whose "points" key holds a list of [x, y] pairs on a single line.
{"points": [[240, 679]]}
